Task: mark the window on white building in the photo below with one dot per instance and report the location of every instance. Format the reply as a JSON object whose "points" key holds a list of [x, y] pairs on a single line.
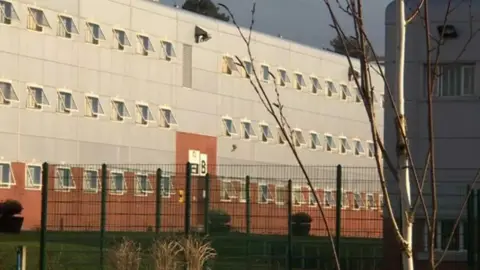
{"points": [[229, 127], [266, 132], [94, 33], [167, 118], [7, 93], [119, 111], [7, 12], [145, 46], [316, 87], [37, 20], [121, 39], [229, 65], [315, 142], [454, 80], [168, 50], [66, 26], [66, 102], [248, 132], [36, 98], [331, 89], [283, 78], [93, 106], [143, 114], [330, 143], [298, 138], [299, 81]]}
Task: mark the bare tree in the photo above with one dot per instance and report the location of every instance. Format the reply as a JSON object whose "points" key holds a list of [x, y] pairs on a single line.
{"points": [[399, 165]]}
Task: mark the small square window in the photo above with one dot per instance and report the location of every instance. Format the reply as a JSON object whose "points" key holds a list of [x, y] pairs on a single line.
{"points": [[329, 199], [316, 87], [117, 183], [36, 98], [247, 130], [315, 142], [143, 186], [266, 132], [121, 39], [143, 114], [167, 119], [280, 136], [265, 73], [298, 139], [228, 65], [330, 143], [344, 146], [280, 194], [299, 81], [264, 195], [66, 102], [227, 190], [371, 150], [93, 106], [331, 89], [168, 50], [6, 176], [37, 20], [167, 187], [359, 150], [64, 179], [371, 202], [119, 111], [358, 95], [90, 181], [298, 196], [229, 127], [94, 33], [66, 26], [7, 13], [283, 78], [7, 93], [34, 177], [248, 69], [358, 201], [345, 92]]}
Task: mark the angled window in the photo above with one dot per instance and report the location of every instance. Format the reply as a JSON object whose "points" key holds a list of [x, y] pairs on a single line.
{"points": [[247, 130], [280, 136], [330, 143], [280, 194], [298, 196], [7, 93], [266, 132], [283, 78], [345, 200], [229, 127], [227, 190], [264, 195], [316, 87], [94, 33], [248, 69], [243, 192], [265, 73], [145, 45], [371, 202], [36, 98], [168, 50], [382, 100], [37, 20], [121, 39], [358, 95], [370, 149], [143, 114], [298, 139], [311, 198], [7, 178], [90, 181], [299, 81], [64, 179], [119, 110], [315, 142], [66, 26], [167, 187], [66, 102], [118, 186], [359, 150], [143, 186], [228, 65], [345, 95], [167, 119], [344, 145], [358, 201], [93, 106], [380, 202], [329, 199], [34, 177], [7, 12], [331, 89]]}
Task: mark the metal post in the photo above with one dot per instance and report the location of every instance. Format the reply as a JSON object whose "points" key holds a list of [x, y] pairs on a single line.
{"points": [[188, 201], [43, 219], [289, 226], [248, 221], [21, 258], [206, 204], [476, 231], [103, 214], [469, 229], [338, 218], [158, 201]]}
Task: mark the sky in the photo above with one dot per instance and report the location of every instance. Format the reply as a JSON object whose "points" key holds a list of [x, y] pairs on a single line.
{"points": [[305, 21]]}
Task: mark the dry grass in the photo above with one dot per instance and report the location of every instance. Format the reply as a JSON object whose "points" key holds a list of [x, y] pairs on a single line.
{"points": [[125, 255], [165, 254], [196, 251]]}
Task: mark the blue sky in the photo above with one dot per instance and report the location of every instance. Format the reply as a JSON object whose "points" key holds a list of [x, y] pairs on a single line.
{"points": [[305, 21]]}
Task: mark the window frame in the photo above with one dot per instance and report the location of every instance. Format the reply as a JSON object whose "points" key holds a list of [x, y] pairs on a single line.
{"points": [[226, 132], [85, 180], [269, 77], [229, 66], [281, 80], [327, 146], [247, 74], [260, 191], [242, 197], [73, 104], [138, 111], [167, 124], [37, 106], [372, 149], [296, 142], [380, 202], [92, 114], [229, 184], [141, 49], [173, 53], [330, 87], [438, 90], [283, 188], [115, 109], [268, 139], [344, 144], [318, 146], [8, 101], [63, 188], [112, 191], [355, 201], [310, 197], [462, 246], [33, 186], [345, 93], [344, 197], [299, 86], [358, 95], [126, 42], [333, 203], [368, 206], [171, 187], [11, 175], [251, 135], [90, 24], [281, 139], [139, 192], [13, 13], [298, 189], [314, 79], [39, 28], [68, 34], [356, 142]]}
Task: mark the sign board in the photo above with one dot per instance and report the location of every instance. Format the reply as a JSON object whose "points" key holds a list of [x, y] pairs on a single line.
{"points": [[198, 162]]}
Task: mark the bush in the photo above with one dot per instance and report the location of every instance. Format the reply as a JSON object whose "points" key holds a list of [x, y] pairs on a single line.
{"points": [[10, 208], [301, 217], [219, 220], [301, 224]]}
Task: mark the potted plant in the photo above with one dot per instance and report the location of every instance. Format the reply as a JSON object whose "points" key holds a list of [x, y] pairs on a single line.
{"points": [[10, 222], [218, 221], [301, 224]]}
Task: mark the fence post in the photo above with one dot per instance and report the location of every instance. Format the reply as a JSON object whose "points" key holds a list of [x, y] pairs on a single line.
{"points": [[22, 258], [103, 213], [248, 221], [206, 204], [188, 201], [158, 201], [476, 223], [338, 218], [43, 218], [289, 226]]}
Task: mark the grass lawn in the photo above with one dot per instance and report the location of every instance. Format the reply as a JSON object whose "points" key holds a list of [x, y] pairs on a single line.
{"points": [[80, 250]]}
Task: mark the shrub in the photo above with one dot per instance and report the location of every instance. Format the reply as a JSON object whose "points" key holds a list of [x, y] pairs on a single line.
{"points": [[301, 217], [301, 224], [165, 254], [197, 252], [125, 255], [10, 208], [219, 220]]}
